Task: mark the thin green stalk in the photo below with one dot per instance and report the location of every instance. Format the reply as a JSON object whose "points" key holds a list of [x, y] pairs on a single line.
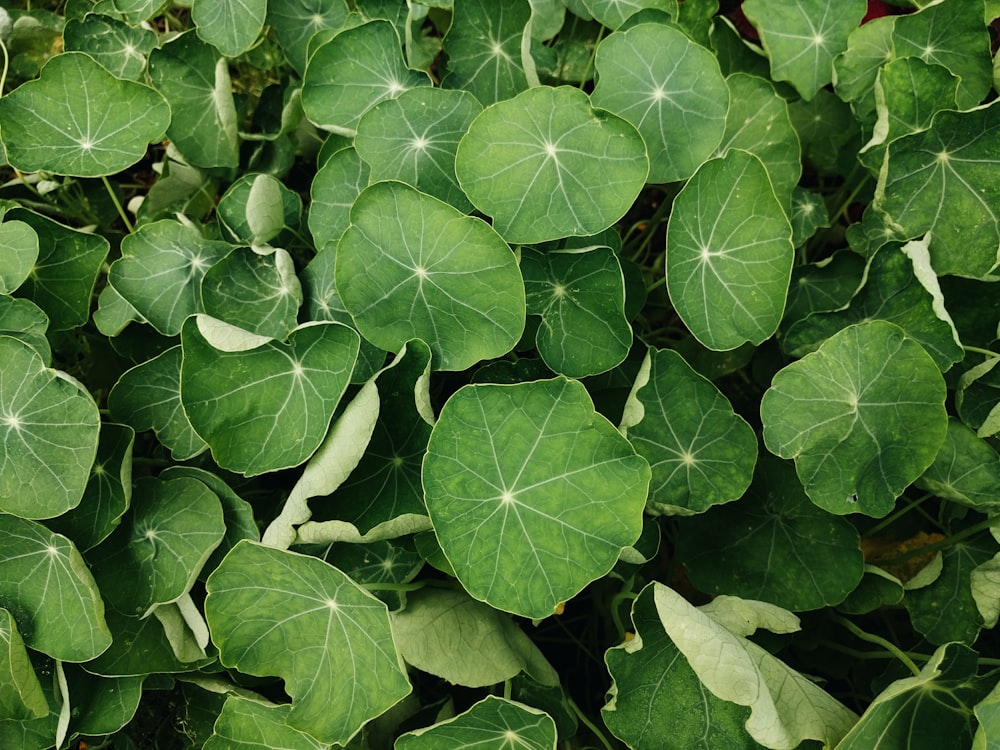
{"points": [[984, 352], [389, 586], [589, 724], [889, 646], [507, 689], [118, 205], [6, 65], [593, 55], [944, 543], [896, 515]]}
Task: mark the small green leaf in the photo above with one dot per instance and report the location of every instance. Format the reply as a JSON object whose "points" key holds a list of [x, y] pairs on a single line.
{"points": [[677, 98], [908, 93], [18, 253], [613, 13], [258, 206], [863, 416], [411, 266], [546, 164], [232, 26], [335, 187], [294, 21], [824, 286], [245, 724], [493, 722], [139, 647], [965, 470], [808, 214], [273, 612], [101, 705], [78, 119], [729, 253], [532, 468], [120, 48], [21, 695]]}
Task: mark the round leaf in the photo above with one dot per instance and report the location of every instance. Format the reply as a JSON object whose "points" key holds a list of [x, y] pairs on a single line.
{"points": [[532, 494], [493, 722], [729, 253], [18, 253], [273, 612], [231, 25], [863, 416], [546, 164], [294, 21], [48, 435], [677, 98], [334, 189], [966, 470], [411, 266], [77, 119], [246, 723], [120, 48]]}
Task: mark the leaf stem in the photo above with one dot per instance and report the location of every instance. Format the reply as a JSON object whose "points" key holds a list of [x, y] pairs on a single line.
{"points": [[889, 646], [118, 205], [944, 543], [589, 724], [389, 586], [984, 352], [855, 653], [896, 515]]}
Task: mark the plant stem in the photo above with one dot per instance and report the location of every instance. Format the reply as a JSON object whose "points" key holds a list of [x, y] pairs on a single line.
{"points": [[589, 724], [896, 515], [118, 205], [984, 352], [389, 586], [944, 543], [889, 646]]}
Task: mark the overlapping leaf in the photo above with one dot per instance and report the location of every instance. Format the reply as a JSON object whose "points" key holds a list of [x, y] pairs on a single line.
{"points": [[491, 722], [231, 26]]}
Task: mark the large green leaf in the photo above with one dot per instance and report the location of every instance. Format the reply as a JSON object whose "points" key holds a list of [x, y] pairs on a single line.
{"points": [[48, 435], [677, 98], [78, 119], [863, 416], [411, 266], [47, 587], [729, 253], [532, 494], [546, 164], [701, 453], [493, 722], [260, 404], [232, 26], [273, 612]]}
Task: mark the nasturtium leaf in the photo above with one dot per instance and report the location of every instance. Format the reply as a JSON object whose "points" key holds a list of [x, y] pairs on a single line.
{"points": [[808, 214], [148, 397], [891, 292], [942, 181], [978, 397], [352, 72], [22, 319], [701, 453], [231, 26], [877, 589], [802, 37], [100, 705], [156, 554], [120, 48], [613, 13], [933, 708], [413, 138], [532, 494], [273, 612], [411, 266], [824, 286], [464, 641], [47, 587], [294, 21], [908, 93], [483, 48], [387, 561], [21, 695], [869, 47], [546, 164], [256, 290], [786, 707], [334, 189], [656, 699], [826, 128], [965, 470], [78, 119], [677, 98], [133, 11], [62, 280], [773, 545], [258, 206], [580, 296], [37, 733], [247, 724], [160, 271], [729, 253], [113, 313], [18, 253], [264, 405], [48, 435], [863, 416], [493, 722], [108, 493]]}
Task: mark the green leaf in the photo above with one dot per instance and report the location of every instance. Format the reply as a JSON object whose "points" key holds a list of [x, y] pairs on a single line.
{"points": [[677, 99], [49, 426], [232, 26], [580, 296], [413, 138], [987, 714], [64, 275], [245, 724], [532, 468], [262, 405], [657, 700], [120, 48], [101, 705], [876, 590], [303, 614], [387, 561], [352, 72], [161, 269], [802, 37], [257, 207], [941, 181], [155, 556], [863, 416], [613, 13], [195, 79], [78, 119], [869, 47], [464, 641], [546, 164], [493, 722], [335, 187], [827, 285], [773, 545], [294, 21], [139, 647], [411, 266], [729, 253], [21, 695], [701, 452], [785, 707], [47, 587], [934, 706], [18, 253], [23, 320], [965, 470], [808, 214]]}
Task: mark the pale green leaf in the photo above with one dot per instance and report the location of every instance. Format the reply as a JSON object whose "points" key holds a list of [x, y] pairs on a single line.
{"points": [[122, 49], [246, 724], [21, 695], [493, 722], [232, 26], [18, 253]]}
